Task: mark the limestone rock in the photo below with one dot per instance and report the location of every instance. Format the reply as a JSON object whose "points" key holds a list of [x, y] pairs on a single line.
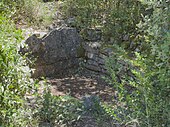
{"points": [[56, 51]]}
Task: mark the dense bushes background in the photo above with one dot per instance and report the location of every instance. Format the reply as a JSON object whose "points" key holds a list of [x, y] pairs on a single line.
{"points": [[148, 102], [115, 18]]}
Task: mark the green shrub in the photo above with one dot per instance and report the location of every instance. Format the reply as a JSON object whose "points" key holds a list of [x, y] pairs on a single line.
{"points": [[15, 79], [143, 96], [116, 18], [62, 110], [32, 12]]}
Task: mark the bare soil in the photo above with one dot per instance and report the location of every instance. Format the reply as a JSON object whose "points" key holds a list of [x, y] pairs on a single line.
{"points": [[79, 87]]}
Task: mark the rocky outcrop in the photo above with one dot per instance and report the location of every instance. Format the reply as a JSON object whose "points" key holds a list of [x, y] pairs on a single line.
{"points": [[56, 52]]}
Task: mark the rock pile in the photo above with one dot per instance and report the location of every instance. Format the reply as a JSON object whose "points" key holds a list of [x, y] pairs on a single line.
{"points": [[95, 57], [95, 53]]}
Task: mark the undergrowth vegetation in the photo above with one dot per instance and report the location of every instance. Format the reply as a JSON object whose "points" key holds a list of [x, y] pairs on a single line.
{"points": [[146, 101], [15, 79], [115, 18], [33, 13], [57, 110]]}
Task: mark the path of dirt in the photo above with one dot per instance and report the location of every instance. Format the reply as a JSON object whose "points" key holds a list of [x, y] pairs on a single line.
{"points": [[81, 86], [76, 86]]}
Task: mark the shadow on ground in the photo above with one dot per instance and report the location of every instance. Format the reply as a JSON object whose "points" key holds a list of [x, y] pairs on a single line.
{"points": [[81, 86]]}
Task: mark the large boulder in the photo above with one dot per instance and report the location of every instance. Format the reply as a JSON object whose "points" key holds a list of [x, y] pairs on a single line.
{"points": [[56, 52]]}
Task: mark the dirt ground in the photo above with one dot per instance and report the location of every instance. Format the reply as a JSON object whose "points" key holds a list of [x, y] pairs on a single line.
{"points": [[81, 86]]}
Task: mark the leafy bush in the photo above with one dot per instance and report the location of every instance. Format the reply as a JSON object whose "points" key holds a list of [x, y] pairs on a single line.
{"points": [[58, 110], [37, 13], [15, 75], [143, 96], [116, 18], [11, 7], [32, 12]]}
